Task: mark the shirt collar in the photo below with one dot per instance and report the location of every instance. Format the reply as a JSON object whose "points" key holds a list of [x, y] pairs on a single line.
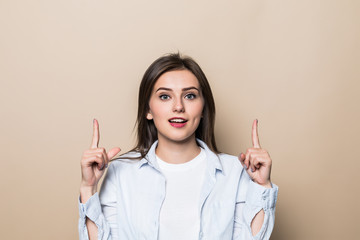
{"points": [[150, 157], [213, 159]]}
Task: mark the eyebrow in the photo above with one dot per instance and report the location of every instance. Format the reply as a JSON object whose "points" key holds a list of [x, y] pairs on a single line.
{"points": [[184, 89]]}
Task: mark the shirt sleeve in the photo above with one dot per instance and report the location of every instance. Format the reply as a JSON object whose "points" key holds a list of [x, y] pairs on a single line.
{"points": [[252, 199], [101, 210]]}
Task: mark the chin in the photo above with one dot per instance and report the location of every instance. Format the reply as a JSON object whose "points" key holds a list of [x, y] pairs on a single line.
{"points": [[179, 139]]}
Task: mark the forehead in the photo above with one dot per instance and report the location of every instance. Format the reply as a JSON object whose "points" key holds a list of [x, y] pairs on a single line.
{"points": [[177, 79]]}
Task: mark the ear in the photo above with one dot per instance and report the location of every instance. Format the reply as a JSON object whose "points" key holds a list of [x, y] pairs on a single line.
{"points": [[149, 116]]}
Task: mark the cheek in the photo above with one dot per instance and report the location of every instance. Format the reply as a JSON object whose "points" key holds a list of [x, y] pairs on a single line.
{"points": [[198, 109], [152, 105], [201, 107], [157, 110]]}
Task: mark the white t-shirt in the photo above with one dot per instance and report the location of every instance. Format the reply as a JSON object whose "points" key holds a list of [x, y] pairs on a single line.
{"points": [[179, 215]]}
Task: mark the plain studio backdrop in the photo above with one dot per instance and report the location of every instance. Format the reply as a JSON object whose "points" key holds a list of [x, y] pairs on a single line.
{"points": [[294, 65]]}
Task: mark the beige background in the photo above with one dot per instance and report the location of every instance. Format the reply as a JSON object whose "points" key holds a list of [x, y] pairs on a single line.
{"points": [[294, 65]]}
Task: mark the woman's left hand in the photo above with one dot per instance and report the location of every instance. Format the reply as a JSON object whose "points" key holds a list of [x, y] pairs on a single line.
{"points": [[257, 161]]}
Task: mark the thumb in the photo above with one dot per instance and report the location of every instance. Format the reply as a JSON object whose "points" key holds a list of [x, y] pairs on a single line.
{"points": [[112, 153]]}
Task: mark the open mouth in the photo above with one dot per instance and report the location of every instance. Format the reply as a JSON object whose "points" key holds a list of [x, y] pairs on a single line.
{"points": [[177, 122]]}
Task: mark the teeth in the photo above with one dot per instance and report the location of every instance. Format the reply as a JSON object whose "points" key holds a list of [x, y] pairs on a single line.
{"points": [[177, 120]]}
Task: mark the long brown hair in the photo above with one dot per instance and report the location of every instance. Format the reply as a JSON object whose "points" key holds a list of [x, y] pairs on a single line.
{"points": [[146, 130]]}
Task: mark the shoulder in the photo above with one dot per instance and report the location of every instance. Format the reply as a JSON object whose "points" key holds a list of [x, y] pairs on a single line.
{"points": [[221, 160], [126, 159], [123, 167], [230, 164], [223, 157], [228, 159]]}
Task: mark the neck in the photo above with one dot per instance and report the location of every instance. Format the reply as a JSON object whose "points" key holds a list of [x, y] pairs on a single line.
{"points": [[177, 152]]}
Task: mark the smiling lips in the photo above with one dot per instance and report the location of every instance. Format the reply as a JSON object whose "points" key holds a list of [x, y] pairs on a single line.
{"points": [[177, 122]]}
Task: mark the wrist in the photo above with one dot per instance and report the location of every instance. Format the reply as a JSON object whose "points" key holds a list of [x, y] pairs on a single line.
{"points": [[86, 192], [267, 185]]}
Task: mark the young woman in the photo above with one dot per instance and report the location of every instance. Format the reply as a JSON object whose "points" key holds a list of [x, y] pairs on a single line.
{"points": [[175, 184]]}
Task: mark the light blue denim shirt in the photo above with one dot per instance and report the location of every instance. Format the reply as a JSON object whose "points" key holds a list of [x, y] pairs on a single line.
{"points": [[128, 206]]}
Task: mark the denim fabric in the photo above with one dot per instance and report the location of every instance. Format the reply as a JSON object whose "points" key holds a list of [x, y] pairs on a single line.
{"points": [[129, 203]]}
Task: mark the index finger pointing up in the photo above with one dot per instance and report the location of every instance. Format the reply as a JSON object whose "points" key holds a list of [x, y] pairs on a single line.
{"points": [[255, 136], [96, 135]]}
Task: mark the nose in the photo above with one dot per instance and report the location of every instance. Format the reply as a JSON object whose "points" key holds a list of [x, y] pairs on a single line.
{"points": [[179, 106]]}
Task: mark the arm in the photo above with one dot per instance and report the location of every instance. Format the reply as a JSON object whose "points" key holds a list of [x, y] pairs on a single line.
{"points": [[254, 203], [257, 206], [85, 194], [258, 220], [92, 222], [98, 213]]}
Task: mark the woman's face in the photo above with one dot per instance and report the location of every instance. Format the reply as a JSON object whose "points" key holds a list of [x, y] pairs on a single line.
{"points": [[176, 106]]}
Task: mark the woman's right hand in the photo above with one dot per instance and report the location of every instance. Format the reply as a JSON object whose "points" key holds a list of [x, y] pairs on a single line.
{"points": [[93, 164]]}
